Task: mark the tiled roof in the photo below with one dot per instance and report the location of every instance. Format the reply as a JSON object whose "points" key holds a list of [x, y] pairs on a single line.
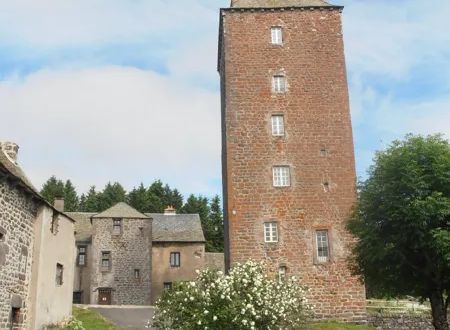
{"points": [[121, 210], [277, 3], [83, 227], [176, 228]]}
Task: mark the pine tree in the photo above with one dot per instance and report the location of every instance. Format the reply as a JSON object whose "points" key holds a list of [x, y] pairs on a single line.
{"points": [[52, 188], [71, 200], [90, 202], [139, 199], [112, 194], [216, 218], [156, 197]]}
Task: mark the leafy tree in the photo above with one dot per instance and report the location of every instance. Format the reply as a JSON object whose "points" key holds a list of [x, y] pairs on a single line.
{"points": [[112, 194], [90, 202], [402, 222], [71, 200], [139, 199], [52, 188]]}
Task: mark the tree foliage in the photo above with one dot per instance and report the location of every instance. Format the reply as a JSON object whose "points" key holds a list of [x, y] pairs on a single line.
{"points": [[402, 222]]}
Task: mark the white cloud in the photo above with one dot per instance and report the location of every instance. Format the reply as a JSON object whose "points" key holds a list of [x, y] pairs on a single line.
{"points": [[114, 123]]}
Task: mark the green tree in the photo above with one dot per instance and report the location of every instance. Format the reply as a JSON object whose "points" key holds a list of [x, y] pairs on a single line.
{"points": [[52, 188], [71, 200], [156, 197], [139, 199], [402, 223], [90, 202], [112, 194], [216, 224]]}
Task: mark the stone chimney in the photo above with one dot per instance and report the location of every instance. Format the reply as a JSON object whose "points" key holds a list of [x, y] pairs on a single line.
{"points": [[59, 204], [170, 210], [10, 149]]}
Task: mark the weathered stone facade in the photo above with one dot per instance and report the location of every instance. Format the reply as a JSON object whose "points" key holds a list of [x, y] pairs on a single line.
{"points": [[36, 240], [401, 321], [17, 215], [129, 251], [316, 146]]}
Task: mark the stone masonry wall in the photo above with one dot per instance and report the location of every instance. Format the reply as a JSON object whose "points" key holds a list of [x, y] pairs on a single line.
{"points": [[17, 214], [129, 251], [317, 146], [401, 322]]}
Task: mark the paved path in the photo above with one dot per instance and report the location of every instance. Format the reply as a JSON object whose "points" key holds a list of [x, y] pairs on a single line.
{"points": [[126, 317]]}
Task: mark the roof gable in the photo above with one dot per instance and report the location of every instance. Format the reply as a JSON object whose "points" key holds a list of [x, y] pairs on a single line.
{"points": [[121, 210]]}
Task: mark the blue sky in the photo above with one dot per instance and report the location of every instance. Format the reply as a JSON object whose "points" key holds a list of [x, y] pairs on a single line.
{"points": [[99, 90]]}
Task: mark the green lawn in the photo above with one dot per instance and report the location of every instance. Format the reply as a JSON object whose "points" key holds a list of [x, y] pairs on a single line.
{"points": [[92, 320], [338, 326]]}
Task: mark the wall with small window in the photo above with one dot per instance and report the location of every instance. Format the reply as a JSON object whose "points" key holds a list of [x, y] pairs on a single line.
{"points": [[177, 261]]}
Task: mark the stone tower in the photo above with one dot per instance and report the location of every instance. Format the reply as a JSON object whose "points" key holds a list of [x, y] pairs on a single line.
{"points": [[287, 148]]}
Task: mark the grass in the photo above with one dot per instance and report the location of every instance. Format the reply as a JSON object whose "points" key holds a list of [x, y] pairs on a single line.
{"points": [[338, 326], [92, 320]]}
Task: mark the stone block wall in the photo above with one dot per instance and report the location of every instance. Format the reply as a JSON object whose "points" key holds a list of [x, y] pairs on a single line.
{"points": [[401, 321], [17, 215], [317, 146], [129, 251]]}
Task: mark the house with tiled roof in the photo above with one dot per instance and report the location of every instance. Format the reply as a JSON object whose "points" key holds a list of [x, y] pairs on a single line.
{"points": [[37, 252], [126, 257]]}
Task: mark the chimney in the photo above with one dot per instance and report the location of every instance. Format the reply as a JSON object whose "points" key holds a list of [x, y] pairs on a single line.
{"points": [[10, 149], [58, 204], [170, 210]]}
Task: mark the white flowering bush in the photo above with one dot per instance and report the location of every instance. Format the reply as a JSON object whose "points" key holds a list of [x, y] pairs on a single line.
{"points": [[246, 298]]}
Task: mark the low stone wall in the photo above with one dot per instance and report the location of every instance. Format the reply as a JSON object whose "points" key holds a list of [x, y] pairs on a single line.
{"points": [[401, 321]]}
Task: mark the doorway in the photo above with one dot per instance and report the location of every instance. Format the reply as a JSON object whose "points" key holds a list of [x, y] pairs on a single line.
{"points": [[104, 296]]}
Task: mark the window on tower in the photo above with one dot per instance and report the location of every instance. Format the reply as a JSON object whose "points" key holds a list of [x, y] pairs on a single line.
{"points": [[281, 176], [277, 35], [279, 83], [323, 250], [270, 232], [277, 125]]}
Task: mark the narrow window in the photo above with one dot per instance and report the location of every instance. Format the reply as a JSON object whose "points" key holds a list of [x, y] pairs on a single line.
{"points": [[54, 223], [277, 125], [277, 35], [137, 274], [281, 176], [279, 84], [167, 285], [81, 255], [59, 274], [15, 315], [117, 226], [282, 273], [323, 252], [106, 261], [175, 259], [270, 232]]}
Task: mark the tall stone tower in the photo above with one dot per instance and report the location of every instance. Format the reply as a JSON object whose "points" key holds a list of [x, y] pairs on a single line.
{"points": [[288, 162]]}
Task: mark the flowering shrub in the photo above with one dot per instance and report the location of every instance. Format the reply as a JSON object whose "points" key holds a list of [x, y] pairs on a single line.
{"points": [[246, 298], [74, 324]]}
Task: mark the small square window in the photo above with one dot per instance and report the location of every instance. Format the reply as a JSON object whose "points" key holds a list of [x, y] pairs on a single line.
{"points": [[59, 274], [175, 259], [167, 285], [270, 232], [117, 226], [279, 84], [277, 125], [137, 274], [277, 35], [281, 176], [323, 250], [106, 261]]}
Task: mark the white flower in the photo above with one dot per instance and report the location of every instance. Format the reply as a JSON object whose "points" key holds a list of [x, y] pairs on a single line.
{"points": [[214, 318]]}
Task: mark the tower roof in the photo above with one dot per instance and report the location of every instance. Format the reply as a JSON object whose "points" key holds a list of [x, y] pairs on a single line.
{"points": [[121, 210], [277, 3]]}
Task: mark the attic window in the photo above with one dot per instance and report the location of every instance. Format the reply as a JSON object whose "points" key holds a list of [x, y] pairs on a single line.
{"points": [[117, 226], [277, 35]]}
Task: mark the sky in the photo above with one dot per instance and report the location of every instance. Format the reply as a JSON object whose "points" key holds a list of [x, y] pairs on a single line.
{"points": [[127, 90]]}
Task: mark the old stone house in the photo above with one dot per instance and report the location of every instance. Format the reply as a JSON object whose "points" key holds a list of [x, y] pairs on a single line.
{"points": [[287, 149], [125, 257], [37, 252]]}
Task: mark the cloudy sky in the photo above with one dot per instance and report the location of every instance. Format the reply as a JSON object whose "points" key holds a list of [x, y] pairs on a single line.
{"points": [[127, 90]]}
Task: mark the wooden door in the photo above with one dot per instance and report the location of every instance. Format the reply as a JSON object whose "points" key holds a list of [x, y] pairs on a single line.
{"points": [[104, 296]]}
